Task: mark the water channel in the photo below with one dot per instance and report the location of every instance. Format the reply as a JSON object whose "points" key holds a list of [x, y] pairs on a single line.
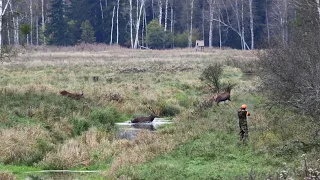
{"points": [[128, 130]]}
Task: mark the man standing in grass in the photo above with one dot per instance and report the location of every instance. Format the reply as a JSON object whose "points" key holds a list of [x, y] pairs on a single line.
{"points": [[243, 114]]}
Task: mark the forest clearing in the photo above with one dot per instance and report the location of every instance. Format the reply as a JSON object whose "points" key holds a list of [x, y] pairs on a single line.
{"points": [[43, 130]]}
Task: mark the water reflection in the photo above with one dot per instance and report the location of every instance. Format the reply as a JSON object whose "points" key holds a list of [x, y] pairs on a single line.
{"points": [[128, 130]]}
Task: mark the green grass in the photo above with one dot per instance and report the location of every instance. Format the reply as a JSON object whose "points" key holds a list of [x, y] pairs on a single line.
{"points": [[204, 147], [214, 155]]}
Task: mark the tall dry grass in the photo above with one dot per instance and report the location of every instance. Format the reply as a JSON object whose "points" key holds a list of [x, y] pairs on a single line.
{"points": [[24, 144]]}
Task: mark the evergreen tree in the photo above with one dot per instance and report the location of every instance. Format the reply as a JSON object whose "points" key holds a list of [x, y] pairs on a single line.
{"points": [[156, 36], [57, 29], [87, 34]]}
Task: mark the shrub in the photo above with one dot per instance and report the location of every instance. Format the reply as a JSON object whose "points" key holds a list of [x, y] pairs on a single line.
{"points": [[211, 76], [105, 117], [79, 125]]}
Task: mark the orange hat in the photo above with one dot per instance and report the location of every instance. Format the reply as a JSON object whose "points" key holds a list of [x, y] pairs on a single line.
{"points": [[243, 106]]}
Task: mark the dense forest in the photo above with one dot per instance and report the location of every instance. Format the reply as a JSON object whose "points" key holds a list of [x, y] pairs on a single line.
{"points": [[157, 24]]}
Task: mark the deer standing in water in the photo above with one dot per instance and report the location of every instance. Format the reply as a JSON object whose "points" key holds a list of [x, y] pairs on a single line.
{"points": [[223, 96], [145, 119], [72, 95]]}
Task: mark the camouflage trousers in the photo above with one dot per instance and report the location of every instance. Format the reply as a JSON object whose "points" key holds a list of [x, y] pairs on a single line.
{"points": [[243, 130]]}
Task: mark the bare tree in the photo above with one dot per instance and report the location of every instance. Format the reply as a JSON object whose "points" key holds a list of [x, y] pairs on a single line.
{"points": [[43, 22], [131, 23], [166, 16], [101, 9], [160, 11], [235, 22], [114, 7], [211, 7], [118, 21], [191, 19], [251, 24], [290, 73], [318, 7], [31, 22], [171, 16], [267, 22], [2, 12], [278, 19], [138, 24]]}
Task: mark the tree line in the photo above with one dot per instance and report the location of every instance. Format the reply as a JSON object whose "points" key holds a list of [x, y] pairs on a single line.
{"points": [[242, 24]]}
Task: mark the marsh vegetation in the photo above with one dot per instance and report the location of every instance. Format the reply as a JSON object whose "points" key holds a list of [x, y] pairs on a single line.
{"points": [[42, 130]]}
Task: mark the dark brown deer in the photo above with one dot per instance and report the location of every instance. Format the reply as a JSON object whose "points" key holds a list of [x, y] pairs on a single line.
{"points": [[145, 119], [223, 96], [72, 95]]}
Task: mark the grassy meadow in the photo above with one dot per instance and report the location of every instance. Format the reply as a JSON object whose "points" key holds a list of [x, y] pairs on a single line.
{"points": [[42, 130]]}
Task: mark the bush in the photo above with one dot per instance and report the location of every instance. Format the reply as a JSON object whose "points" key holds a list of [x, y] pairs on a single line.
{"points": [[106, 117], [290, 72], [211, 76], [79, 125]]}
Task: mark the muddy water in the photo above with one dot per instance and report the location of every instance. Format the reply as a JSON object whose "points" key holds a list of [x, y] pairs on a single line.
{"points": [[128, 130]]}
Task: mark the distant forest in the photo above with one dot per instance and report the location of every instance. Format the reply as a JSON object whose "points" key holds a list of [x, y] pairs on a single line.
{"points": [[156, 24]]}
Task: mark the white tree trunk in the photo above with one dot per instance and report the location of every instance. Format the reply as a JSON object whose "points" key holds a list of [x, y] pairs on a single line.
{"points": [[43, 22], [106, 3], [251, 24], [1, 28], [2, 12], [101, 9], [210, 2], [37, 30], [152, 8], [267, 23], [318, 7], [143, 25], [190, 32], [118, 22], [171, 26], [131, 24], [114, 7], [160, 11], [8, 33], [219, 26], [242, 26], [166, 16], [138, 25], [31, 23], [203, 19]]}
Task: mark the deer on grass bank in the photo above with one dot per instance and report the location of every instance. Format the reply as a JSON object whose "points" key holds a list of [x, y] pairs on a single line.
{"points": [[72, 95], [145, 119], [223, 96]]}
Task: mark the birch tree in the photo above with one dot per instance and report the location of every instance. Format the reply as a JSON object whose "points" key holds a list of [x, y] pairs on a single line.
{"points": [[251, 24], [112, 25], [43, 22], [118, 21], [138, 24], [166, 16], [211, 4], [318, 7], [160, 11], [101, 9], [279, 19], [31, 22], [171, 16], [131, 23], [191, 18], [2, 12]]}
